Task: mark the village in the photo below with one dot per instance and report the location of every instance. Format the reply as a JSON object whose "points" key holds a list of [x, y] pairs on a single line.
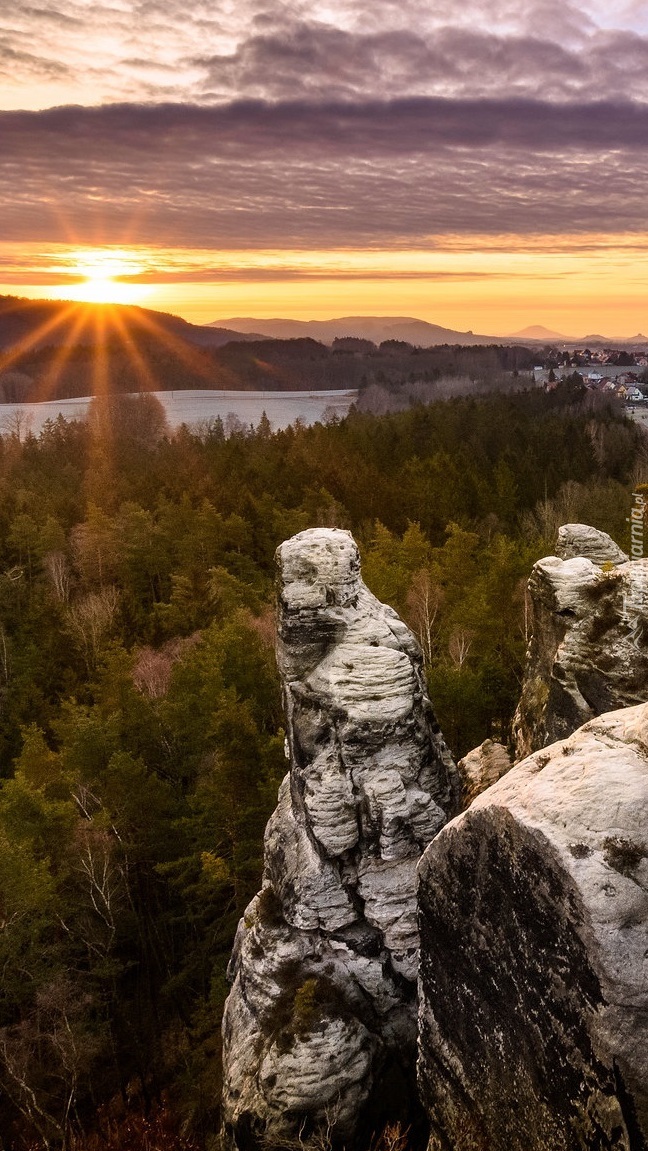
{"points": [[617, 373]]}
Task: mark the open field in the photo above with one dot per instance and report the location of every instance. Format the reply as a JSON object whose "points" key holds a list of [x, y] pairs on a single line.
{"points": [[197, 407]]}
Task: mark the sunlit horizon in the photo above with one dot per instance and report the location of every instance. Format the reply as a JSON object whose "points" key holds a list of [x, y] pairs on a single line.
{"points": [[491, 285]]}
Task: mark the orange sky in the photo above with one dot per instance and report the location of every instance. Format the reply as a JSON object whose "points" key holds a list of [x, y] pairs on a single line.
{"points": [[491, 285]]}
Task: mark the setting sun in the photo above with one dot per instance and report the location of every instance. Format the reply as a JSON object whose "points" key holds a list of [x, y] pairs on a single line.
{"points": [[103, 279]]}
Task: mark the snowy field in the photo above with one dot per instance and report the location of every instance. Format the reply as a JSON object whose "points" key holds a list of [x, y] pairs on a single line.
{"points": [[197, 408]]}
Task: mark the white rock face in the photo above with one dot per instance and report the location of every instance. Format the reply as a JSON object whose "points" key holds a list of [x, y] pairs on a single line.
{"points": [[320, 1024], [589, 649], [534, 953], [592, 544]]}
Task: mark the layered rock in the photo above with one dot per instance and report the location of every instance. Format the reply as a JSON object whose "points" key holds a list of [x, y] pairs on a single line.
{"points": [[534, 953], [589, 648], [481, 768], [320, 1024], [589, 542]]}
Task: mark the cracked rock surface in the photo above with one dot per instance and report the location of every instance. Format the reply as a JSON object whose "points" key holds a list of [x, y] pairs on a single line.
{"points": [[534, 953], [320, 1024], [589, 648]]}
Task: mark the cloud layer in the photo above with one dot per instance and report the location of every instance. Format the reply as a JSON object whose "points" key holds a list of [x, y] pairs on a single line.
{"points": [[254, 174], [160, 50], [314, 125]]}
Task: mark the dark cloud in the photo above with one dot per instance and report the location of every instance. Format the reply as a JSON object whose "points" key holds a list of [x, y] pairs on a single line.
{"points": [[258, 129], [371, 174], [320, 61]]}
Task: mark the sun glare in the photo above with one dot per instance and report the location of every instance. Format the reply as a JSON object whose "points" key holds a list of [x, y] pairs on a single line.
{"points": [[104, 278]]}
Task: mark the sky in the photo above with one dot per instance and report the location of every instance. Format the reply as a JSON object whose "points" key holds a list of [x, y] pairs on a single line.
{"points": [[480, 164]]}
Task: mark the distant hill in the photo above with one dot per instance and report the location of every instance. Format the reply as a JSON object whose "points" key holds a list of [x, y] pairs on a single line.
{"points": [[376, 328], [52, 349], [57, 323], [611, 342], [537, 332]]}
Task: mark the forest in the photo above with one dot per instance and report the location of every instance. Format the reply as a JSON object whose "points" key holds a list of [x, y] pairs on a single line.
{"points": [[141, 741]]}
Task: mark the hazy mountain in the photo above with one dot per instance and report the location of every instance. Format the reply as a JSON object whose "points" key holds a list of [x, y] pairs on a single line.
{"points": [[537, 332], [376, 328], [611, 341], [417, 332]]}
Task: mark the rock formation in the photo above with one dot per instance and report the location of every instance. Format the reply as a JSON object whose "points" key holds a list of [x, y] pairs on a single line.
{"points": [[589, 542], [481, 768], [589, 648], [320, 1024], [534, 946]]}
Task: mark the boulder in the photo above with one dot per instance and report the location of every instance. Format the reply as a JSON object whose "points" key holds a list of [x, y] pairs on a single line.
{"points": [[589, 542], [589, 648], [320, 1025], [534, 953]]}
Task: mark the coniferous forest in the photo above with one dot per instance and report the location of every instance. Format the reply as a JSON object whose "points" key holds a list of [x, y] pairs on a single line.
{"points": [[141, 741]]}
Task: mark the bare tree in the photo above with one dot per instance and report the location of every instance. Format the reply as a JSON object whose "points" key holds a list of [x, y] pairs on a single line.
{"points": [[45, 1057], [17, 424], [152, 668], [424, 601], [459, 645], [58, 573], [91, 618]]}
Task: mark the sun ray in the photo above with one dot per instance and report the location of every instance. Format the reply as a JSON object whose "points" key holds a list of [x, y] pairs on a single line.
{"points": [[100, 478], [218, 376], [134, 352], [47, 385], [132, 327], [8, 359], [100, 369]]}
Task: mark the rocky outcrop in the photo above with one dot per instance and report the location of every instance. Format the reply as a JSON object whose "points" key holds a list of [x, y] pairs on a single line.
{"points": [[320, 1024], [481, 768], [534, 945], [589, 648], [589, 542]]}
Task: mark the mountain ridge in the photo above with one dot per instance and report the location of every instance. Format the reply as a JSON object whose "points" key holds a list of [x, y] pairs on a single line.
{"points": [[377, 328], [409, 329]]}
